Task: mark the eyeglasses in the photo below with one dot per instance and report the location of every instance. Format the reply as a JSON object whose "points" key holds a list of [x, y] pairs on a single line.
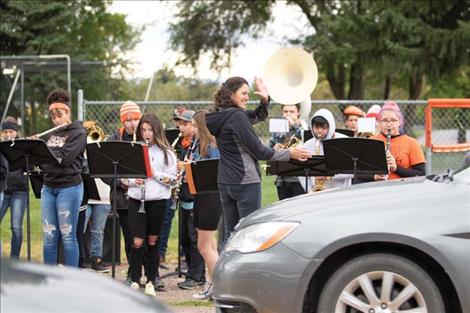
{"points": [[392, 121]]}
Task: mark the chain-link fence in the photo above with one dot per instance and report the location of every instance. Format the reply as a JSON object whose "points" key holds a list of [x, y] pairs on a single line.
{"points": [[447, 130]]}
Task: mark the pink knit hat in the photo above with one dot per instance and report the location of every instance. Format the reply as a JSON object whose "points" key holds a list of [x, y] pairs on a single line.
{"points": [[392, 106]]}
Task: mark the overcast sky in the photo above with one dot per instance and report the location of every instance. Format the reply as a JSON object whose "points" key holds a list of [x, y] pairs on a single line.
{"points": [[152, 52]]}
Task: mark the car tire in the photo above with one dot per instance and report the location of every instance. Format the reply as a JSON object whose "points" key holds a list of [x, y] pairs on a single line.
{"points": [[357, 287]]}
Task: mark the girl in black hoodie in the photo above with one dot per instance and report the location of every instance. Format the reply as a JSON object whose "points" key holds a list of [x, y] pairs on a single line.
{"points": [[62, 192]]}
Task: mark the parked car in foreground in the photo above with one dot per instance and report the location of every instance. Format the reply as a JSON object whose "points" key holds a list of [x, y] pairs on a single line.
{"points": [[31, 287], [394, 246]]}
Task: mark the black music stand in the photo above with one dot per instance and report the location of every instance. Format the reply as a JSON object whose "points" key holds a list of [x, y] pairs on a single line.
{"points": [[25, 153], [206, 171], [344, 131], [355, 156], [116, 159], [314, 166], [37, 181], [171, 134]]}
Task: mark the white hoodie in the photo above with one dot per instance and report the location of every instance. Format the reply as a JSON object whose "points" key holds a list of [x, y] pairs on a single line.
{"points": [[339, 180], [155, 188]]}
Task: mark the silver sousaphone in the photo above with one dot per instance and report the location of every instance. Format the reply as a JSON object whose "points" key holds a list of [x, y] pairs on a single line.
{"points": [[290, 75]]}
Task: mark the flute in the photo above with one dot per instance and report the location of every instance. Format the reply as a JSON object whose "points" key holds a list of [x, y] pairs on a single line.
{"points": [[53, 129]]}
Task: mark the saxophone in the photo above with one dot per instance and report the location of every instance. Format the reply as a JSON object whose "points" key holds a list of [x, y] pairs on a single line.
{"points": [[319, 183]]}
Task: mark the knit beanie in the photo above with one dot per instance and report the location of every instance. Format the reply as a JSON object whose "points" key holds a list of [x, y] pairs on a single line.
{"points": [[374, 111], [353, 110], [130, 110], [9, 125], [392, 106]]}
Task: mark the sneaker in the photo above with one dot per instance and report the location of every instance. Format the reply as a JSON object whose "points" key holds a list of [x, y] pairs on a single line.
{"points": [[150, 289], [135, 285], [189, 283], [205, 294], [99, 266], [158, 283]]}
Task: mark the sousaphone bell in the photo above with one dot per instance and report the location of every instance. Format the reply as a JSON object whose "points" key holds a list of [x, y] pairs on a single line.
{"points": [[290, 75]]}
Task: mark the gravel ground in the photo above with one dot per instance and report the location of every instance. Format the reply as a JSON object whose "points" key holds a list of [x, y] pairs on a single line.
{"points": [[180, 301]]}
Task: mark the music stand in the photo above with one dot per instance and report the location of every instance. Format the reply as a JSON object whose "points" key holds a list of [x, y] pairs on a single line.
{"points": [[344, 131], [116, 159], [314, 166], [171, 134], [206, 172], [25, 153], [37, 181], [355, 156], [307, 135]]}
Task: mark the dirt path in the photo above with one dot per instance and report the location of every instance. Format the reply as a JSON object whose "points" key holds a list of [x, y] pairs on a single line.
{"points": [[180, 301]]}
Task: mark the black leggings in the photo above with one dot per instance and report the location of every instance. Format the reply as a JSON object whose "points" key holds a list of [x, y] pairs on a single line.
{"points": [[142, 225]]}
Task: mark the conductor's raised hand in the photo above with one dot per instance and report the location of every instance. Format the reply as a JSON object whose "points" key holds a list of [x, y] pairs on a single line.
{"points": [[300, 154], [261, 89]]}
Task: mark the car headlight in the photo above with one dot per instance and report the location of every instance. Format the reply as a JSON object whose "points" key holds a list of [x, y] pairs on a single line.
{"points": [[259, 237]]}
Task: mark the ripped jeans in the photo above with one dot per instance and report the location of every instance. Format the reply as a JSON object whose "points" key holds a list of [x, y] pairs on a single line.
{"points": [[60, 208]]}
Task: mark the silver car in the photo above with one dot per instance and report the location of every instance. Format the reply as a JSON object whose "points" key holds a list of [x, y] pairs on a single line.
{"points": [[395, 246]]}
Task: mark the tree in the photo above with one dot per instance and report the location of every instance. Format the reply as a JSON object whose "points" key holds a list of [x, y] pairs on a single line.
{"points": [[395, 40], [82, 29]]}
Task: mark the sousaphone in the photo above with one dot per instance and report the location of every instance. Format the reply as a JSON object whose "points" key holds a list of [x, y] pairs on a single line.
{"points": [[290, 75]]}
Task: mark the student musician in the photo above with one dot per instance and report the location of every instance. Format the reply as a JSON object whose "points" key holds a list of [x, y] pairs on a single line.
{"points": [[404, 156], [323, 127], [288, 187], [62, 192], [148, 200], [207, 207], [351, 116], [15, 196]]}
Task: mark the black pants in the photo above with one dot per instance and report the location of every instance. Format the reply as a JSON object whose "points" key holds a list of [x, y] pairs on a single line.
{"points": [[143, 225], [289, 190], [196, 265]]}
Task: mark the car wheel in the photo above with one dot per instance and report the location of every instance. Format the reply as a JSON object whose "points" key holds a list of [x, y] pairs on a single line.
{"points": [[380, 283]]}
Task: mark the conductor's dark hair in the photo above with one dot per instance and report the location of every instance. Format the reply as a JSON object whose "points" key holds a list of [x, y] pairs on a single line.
{"points": [[222, 97], [59, 95]]}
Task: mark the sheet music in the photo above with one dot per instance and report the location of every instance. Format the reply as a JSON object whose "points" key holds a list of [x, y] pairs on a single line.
{"points": [[278, 125]]}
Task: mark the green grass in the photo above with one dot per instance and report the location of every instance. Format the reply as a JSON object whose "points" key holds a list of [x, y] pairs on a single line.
{"points": [[186, 303], [269, 195]]}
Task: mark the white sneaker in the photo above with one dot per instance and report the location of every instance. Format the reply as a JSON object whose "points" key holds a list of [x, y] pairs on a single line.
{"points": [[135, 286], [150, 289], [205, 294]]}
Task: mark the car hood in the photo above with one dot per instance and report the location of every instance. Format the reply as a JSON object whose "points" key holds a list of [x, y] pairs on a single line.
{"points": [[30, 287], [359, 198]]}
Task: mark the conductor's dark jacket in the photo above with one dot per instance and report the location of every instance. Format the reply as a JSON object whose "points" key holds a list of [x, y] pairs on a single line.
{"points": [[239, 146]]}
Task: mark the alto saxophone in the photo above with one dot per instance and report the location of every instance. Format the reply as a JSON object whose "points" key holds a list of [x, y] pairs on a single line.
{"points": [[319, 183]]}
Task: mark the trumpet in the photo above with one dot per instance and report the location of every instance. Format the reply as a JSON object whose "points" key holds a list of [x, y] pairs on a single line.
{"points": [[94, 132]]}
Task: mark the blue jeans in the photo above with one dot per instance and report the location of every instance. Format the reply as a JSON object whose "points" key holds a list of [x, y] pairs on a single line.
{"points": [[166, 229], [16, 201], [60, 209], [238, 201], [99, 215]]}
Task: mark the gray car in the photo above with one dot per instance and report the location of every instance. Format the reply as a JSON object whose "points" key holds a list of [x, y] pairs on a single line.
{"points": [[394, 246]]}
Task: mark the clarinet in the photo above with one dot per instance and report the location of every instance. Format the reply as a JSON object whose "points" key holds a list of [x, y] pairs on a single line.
{"points": [[387, 145], [142, 194]]}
